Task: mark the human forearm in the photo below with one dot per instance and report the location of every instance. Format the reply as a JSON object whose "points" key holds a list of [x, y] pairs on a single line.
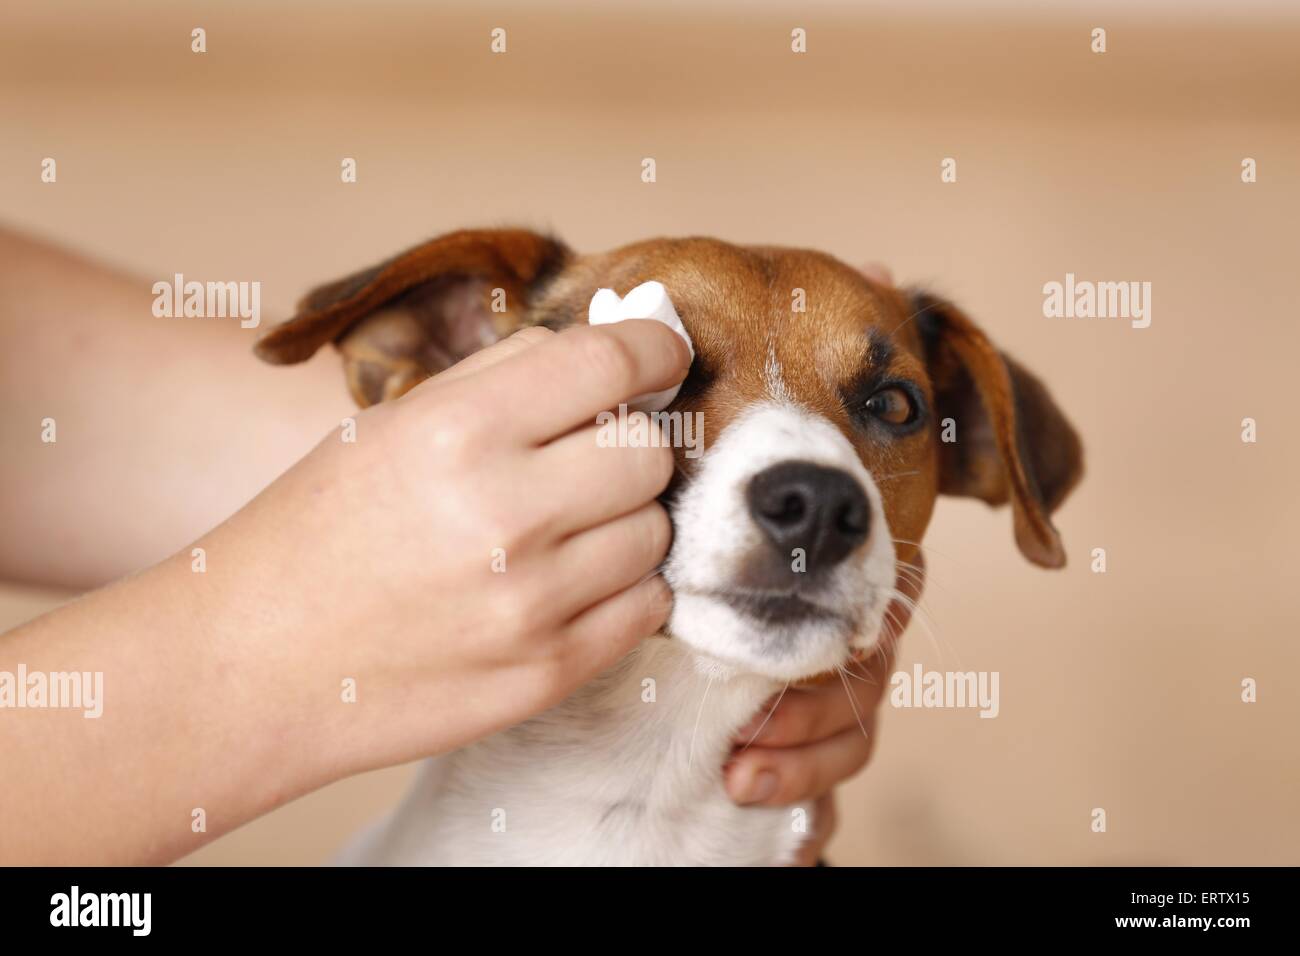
{"points": [[164, 427], [202, 717]]}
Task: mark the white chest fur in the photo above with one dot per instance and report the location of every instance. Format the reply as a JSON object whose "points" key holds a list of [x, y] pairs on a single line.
{"points": [[615, 775]]}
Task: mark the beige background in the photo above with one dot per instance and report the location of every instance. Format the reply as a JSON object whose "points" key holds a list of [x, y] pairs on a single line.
{"points": [[1118, 690]]}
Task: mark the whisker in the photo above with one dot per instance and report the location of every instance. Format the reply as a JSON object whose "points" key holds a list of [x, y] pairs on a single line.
{"points": [[927, 549], [690, 759], [888, 640], [916, 573], [767, 718], [887, 648], [918, 577], [887, 621], [864, 678], [919, 311], [923, 616], [853, 704]]}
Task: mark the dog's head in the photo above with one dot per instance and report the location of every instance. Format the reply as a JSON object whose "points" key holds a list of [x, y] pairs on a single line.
{"points": [[835, 410]]}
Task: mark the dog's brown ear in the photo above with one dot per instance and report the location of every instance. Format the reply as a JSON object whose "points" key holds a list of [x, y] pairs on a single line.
{"points": [[409, 318], [1012, 442]]}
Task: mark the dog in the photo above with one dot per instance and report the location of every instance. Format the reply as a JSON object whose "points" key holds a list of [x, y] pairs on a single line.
{"points": [[836, 409]]}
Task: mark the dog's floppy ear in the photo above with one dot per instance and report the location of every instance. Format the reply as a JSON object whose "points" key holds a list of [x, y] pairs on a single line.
{"points": [[1012, 442], [420, 312]]}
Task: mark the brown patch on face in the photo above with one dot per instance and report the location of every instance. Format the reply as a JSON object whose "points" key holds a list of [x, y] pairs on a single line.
{"points": [[738, 304]]}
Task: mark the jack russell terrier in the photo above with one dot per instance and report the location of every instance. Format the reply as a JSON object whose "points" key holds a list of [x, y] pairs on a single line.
{"points": [[837, 409]]}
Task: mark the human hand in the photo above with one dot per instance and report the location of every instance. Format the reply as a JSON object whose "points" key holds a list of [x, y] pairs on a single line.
{"points": [[472, 557]]}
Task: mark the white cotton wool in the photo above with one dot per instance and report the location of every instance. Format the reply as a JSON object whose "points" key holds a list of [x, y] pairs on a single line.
{"points": [[649, 300]]}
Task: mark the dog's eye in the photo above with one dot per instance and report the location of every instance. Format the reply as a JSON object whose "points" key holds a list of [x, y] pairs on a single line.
{"points": [[892, 405]]}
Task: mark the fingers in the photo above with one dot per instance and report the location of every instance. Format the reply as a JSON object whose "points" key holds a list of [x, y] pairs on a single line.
{"points": [[825, 819], [611, 557], [601, 635], [565, 381], [778, 776], [601, 483], [808, 715]]}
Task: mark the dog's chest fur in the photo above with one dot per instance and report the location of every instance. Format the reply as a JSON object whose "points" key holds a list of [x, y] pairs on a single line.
{"points": [[624, 772]]}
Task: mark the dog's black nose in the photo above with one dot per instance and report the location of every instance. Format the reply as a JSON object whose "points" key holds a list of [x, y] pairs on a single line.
{"points": [[822, 510]]}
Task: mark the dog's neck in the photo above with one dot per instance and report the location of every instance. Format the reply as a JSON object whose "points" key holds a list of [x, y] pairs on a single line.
{"points": [[665, 714], [626, 771]]}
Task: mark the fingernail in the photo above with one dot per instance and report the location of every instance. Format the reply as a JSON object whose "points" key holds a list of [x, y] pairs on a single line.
{"points": [[661, 596], [761, 786]]}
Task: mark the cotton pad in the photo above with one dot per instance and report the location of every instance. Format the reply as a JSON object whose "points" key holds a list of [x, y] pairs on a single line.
{"points": [[649, 300]]}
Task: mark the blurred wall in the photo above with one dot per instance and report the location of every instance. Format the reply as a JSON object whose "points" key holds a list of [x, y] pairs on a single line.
{"points": [[1118, 690]]}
